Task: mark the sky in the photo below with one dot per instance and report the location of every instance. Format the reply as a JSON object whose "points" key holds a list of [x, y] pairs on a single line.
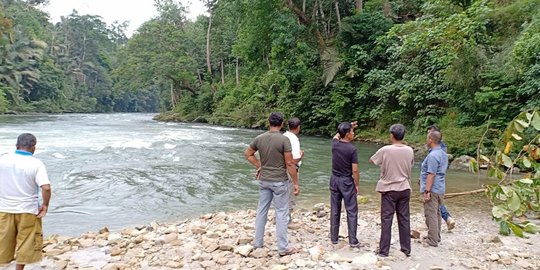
{"points": [[134, 11]]}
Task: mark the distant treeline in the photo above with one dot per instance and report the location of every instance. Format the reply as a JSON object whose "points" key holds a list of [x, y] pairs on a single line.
{"points": [[459, 63]]}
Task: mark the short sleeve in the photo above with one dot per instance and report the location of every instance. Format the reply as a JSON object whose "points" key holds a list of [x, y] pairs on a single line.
{"points": [[253, 144], [354, 156], [41, 176], [432, 164], [377, 157], [287, 145]]}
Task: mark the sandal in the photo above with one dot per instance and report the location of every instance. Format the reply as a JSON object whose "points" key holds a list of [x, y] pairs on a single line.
{"points": [[289, 251]]}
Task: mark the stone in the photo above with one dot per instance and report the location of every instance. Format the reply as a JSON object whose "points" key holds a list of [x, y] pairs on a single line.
{"points": [[62, 264], [504, 255], [505, 261], [365, 259], [244, 250], [415, 234], [524, 264], [318, 207], [208, 264], [259, 253], [103, 230], [316, 252], [492, 239], [336, 258], [461, 163], [171, 229], [226, 247], [279, 267], [244, 239], [493, 257], [436, 267], [115, 251], [221, 228], [300, 263], [114, 237], [211, 248], [212, 235], [197, 230], [173, 264], [524, 255], [168, 238]]}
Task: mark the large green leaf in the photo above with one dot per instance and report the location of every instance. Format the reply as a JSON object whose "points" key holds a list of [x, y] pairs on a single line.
{"points": [[518, 231], [498, 212], [503, 227], [507, 161], [514, 202], [530, 228], [535, 122]]}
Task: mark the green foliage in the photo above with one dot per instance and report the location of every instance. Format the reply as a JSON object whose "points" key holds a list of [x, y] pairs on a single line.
{"points": [[515, 199]]}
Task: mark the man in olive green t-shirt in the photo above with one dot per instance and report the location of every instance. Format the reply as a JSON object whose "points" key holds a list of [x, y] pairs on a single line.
{"points": [[275, 161]]}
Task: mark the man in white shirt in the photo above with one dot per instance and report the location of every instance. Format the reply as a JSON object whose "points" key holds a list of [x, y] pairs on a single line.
{"points": [[21, 176], [297, 154]]}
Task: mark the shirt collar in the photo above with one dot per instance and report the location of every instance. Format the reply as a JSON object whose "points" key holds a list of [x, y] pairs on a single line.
{"points": [[435, 148], [24, 153]]}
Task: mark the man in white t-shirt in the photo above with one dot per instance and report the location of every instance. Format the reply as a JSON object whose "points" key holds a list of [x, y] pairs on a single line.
{"points": [[21, 176], [297, 154]]}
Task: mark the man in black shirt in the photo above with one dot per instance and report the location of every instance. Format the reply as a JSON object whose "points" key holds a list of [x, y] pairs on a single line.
{"points": [[344, 182]]}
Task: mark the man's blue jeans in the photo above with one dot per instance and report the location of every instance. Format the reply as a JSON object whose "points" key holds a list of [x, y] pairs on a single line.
{"points": [[444, 212], [279, 192]]}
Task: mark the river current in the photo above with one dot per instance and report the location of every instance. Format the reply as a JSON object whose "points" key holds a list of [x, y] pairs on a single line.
{"points": [[119, 170]]}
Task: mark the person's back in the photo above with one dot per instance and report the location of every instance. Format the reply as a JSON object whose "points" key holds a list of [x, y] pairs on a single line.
{"points": [[271, 146], [396, 161], [20, 176], [343, 156]]}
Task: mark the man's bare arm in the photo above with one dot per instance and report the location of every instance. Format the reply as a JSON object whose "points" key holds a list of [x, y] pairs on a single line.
{"points": [[46, 192], [291, 169], [356, 175]]}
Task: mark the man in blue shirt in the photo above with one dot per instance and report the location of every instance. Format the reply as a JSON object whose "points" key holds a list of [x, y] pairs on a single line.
{"points": [[433, 186], [450, 223]]}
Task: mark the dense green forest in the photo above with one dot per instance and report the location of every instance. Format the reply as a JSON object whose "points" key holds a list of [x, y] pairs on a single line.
{"points": [[459, 63]]}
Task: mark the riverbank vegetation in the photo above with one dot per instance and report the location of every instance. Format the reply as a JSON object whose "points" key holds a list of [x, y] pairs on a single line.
{"points": [[458, 63]]}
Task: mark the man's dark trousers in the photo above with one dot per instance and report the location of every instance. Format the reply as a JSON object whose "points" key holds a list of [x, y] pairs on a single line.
{"points": [[395, 202], [343, 188]]}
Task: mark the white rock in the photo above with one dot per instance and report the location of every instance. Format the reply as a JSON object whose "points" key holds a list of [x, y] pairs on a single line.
{"points": [[114, 237], [244, 250], [337, 258], [316, 252], [279, 267], [300, 263], [365, 259]]}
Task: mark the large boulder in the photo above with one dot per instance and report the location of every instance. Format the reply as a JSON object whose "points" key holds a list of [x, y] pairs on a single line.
{"points": [[461, 163]]}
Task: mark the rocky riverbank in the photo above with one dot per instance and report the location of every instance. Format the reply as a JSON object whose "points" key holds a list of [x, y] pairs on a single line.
{"points": [[224, 241]]}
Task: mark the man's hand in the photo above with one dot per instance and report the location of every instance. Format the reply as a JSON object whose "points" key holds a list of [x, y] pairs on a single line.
{"points": [[356, 190], [301, 154], [427, 196], [296, 191], [42, 211], [258, 173]]}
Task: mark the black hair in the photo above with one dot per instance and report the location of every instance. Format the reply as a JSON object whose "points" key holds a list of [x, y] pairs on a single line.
{"points": [[275, 119], [294, 123], [434, 127], [398, 130], [435, 136], [344, 128]]}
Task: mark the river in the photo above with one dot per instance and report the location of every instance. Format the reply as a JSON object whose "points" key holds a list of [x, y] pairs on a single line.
{"points": [[119, 170]]}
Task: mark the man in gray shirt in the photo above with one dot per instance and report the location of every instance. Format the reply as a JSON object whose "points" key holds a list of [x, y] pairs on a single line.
{"points": [[275, 161], [433, 186]]}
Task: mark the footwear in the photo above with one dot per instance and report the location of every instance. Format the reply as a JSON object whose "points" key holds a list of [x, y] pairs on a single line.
{"points": [[450, 223], [357, 245], [426, 242], [382, 255], [289, 251]]}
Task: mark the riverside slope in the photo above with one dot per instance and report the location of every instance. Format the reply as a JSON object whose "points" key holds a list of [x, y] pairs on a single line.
{"points": [[224, 241]]}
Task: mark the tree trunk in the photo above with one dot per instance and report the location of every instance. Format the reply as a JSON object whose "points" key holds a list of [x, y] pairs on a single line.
{"points": [[237, 72], [359, 5], [304, 6], [208, 50], [222, 73], [306, 21], [173, 96], [338, 16]]}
